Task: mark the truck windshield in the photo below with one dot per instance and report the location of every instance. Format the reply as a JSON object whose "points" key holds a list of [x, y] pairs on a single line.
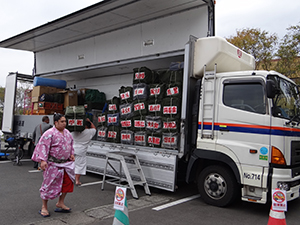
{"points": [[286, 101]]}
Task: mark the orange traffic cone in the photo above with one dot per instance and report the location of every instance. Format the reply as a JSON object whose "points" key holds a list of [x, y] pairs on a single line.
{"points": [[276, 217]]}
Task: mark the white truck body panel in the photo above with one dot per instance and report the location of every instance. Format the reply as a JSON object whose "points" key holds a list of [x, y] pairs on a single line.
{"points": [[210, 51], [9, 99], [166, 34]]}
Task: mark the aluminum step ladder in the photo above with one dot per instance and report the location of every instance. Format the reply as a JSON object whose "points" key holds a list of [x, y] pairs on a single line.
{"points": [[121, 158], [207, 106]]}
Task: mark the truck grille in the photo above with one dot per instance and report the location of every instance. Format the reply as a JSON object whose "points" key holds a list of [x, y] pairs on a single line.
{"points": [[295, 153]]}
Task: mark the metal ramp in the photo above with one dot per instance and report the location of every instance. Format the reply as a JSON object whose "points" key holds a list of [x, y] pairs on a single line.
{"points": [[208, 103], [120, 157]]}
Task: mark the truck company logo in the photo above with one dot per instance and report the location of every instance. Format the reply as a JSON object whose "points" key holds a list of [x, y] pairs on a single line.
{"points": [[239, 53], [173, 91], [112, 107], [112, 134], [126, 123], [155, 91], [170, 140], [139, 138], [126, 137], [75, 122], [101, 133], [139, 91], [126, 110], [139, 76], [139, 106], [152, 124], [170, 110], [139, 123], [154, 108], [169, 125], [101, 119], [154, 140], [125, 95]]}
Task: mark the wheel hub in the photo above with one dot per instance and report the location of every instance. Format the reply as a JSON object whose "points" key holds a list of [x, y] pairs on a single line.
{"points": [[215, 186]]}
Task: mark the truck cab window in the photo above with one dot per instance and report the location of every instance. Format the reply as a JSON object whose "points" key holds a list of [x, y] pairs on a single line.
{"points": [[245, 96]]}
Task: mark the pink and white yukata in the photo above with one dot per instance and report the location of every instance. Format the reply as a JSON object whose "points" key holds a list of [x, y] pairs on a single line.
{"points": [[54, 143]]}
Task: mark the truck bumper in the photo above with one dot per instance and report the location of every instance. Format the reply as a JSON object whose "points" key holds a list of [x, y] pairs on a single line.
{"points": [[284, 178]]}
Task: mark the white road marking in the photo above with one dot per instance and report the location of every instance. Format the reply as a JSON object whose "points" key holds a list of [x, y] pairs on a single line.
{"points": [[175, 202], [92, 183]]}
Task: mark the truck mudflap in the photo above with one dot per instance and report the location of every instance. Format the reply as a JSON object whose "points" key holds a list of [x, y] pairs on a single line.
{"points": [[282, 178], [159, 165]]}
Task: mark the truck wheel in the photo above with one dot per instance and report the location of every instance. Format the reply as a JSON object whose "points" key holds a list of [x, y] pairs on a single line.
{"points": [[217, 186]]}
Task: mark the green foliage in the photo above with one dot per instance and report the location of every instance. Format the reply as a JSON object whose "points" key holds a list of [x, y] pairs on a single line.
{"points": [[288, 53], [257, 43], [284, 59]]}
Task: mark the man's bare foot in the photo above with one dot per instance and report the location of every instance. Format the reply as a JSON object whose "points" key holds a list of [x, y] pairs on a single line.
{"points": [[64, 207], [78, 183]]}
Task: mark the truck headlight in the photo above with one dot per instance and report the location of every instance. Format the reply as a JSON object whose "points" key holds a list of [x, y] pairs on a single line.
{"points": [[283, 186]]}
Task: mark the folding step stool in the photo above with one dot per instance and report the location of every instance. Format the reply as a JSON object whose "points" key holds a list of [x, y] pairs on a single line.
{"points": [[120, 156]]}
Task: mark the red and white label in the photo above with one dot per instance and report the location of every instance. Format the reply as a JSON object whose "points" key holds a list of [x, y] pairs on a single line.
{"points": [[101, 133], [169, 125], [239, 53], [139, 123], [125, 95], [139, 106], [126, 123], [154, 140], [126, 137], [139, 138], [154, 108], [126, 110], [112, 119], [139, 91], [173, 91], [75, 122], [170, 110], [170, 140], [101, 119], [112, 134], [139, 76], [152, 124], [155, 91], [112, 107]]}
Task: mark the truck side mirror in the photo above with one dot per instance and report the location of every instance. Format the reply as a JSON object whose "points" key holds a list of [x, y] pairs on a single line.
{"points": [[271, 89]]}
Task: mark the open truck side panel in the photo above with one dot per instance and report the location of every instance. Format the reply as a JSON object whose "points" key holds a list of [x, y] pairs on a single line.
{"points": [[99, 46]]}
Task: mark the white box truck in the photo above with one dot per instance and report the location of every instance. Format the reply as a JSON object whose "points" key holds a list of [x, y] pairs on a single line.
{"points": [[238, 129]]}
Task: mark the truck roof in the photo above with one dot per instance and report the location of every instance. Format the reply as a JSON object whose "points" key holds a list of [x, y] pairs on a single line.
{"points": [[98, 19]]}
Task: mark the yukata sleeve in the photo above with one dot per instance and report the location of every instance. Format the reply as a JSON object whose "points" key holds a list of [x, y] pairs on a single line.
{"points": [[41, 151]]}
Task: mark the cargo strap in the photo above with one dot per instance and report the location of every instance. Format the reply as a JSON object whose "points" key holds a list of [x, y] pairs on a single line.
{"points": [[122, 158]]}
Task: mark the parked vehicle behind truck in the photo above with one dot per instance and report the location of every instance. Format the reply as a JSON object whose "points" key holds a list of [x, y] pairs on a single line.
{"points": [[236, 129]]}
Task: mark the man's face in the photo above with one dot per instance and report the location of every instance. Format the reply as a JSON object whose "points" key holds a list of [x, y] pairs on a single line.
{"points": [[47, 121], [61, 123]]}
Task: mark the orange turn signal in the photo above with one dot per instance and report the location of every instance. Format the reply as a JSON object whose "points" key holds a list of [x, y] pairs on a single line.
{"points": [[277, 157]]}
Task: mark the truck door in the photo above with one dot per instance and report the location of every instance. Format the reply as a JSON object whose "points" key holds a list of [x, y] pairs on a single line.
{"points": [[244, 125], [9, 103]]}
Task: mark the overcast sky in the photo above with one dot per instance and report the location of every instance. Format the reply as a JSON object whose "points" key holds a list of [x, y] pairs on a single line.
{"points": [[17, 16]]}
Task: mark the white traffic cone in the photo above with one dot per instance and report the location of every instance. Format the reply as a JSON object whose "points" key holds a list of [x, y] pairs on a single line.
{"points": [[276, 217], [121, 217]]}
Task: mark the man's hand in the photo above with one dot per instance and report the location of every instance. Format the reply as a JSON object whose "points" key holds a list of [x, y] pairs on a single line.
{"points": [[44, 165], [72, 157]]}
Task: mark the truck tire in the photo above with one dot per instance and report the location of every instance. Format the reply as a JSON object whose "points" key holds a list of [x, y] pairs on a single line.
{"points": [[217, 186]]}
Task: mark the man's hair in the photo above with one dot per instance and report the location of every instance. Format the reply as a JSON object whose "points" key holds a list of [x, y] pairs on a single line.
{"points": [[45, 118], [88, 124], [57, 116]]}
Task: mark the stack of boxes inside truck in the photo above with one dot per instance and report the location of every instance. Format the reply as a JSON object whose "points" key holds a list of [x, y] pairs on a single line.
{"points": [[146, 114]]}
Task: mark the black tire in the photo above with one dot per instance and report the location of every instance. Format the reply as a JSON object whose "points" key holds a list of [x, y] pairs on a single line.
{"points": [[217, 186]]}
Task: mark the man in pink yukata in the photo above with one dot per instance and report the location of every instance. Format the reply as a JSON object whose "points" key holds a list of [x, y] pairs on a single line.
{"points": [[55, 152]]}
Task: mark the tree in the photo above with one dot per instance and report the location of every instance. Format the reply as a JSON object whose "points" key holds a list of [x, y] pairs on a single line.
{"points": [[257, 43], [288, 53]]}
